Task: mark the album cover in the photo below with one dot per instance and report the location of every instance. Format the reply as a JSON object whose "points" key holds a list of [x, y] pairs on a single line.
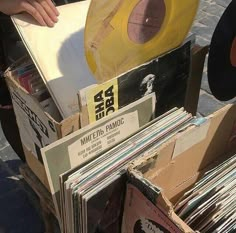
{"points": [[142, 216], [167, 76]]}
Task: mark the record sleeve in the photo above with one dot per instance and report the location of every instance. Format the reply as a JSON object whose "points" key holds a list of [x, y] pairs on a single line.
{"points": [[167, 76], [120, 35], [144, 217]]}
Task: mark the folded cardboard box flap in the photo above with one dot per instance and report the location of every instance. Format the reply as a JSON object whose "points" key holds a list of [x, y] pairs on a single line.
{"points": [[172, 173], [37, 128]]}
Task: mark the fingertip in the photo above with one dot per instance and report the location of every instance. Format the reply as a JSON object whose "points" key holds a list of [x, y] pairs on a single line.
{"points": [[51, 25], [42, 23], [57, 12], [54, 18]]}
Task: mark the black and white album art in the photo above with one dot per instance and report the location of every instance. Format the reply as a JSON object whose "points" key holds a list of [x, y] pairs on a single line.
{"points": [[167, 76], [148, 226]]}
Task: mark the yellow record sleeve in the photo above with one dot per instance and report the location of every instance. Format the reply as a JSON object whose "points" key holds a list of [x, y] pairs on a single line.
{"points": [[122, 34]]}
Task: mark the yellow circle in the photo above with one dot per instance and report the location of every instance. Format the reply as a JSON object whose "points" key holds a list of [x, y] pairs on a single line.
{"points": [[108, 48]]}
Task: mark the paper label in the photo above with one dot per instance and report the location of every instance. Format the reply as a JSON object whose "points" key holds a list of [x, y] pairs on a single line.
{"points": [[102, 100], [103, 137]]}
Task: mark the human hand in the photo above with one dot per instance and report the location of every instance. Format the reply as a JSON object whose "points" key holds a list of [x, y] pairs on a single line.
{"points": [[43, 11]]}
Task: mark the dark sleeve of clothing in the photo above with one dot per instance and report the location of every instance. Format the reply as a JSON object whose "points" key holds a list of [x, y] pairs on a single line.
{"points": [[11, 132], [9, 52], [5, 98]]}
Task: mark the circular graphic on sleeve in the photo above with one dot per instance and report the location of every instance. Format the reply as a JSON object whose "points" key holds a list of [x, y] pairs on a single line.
{"points": [[143, 25], [148, 226], [122, 34], [222, 56]]}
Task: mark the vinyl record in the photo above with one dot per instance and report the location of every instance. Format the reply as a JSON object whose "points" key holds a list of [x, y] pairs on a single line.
{"points": [[122, 34], [222, 56]]}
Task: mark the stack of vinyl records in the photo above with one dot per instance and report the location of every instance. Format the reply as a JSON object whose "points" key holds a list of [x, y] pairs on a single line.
{"points": [[210, 206], [91, 194]]}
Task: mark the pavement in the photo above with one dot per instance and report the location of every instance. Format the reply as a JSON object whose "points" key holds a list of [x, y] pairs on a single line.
{"points": [[19, 206]]}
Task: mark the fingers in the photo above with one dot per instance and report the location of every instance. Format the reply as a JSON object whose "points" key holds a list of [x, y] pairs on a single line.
{"points": [[32, 11], [54, 9], [43, 11], [49, 10], [49, 21]]}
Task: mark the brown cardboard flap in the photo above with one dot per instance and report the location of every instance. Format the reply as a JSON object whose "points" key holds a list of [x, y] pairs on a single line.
{"points": [[166, 177], [166, 206], [36, 167], [191, 162], [69, 125]]}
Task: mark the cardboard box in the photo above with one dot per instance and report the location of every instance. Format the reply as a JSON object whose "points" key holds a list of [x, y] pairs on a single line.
{"points": [[157, 181], [37, 128]]}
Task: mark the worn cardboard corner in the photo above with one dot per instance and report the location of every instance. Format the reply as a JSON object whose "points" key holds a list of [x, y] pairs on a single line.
{"points": [[167, 206]]}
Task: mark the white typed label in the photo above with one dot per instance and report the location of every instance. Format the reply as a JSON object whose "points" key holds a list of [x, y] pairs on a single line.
{"points": [[103, 137]]}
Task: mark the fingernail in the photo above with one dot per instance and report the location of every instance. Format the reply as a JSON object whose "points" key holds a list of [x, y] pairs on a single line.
{"points": [[55, 19], [57, 12], [51, 24]]}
